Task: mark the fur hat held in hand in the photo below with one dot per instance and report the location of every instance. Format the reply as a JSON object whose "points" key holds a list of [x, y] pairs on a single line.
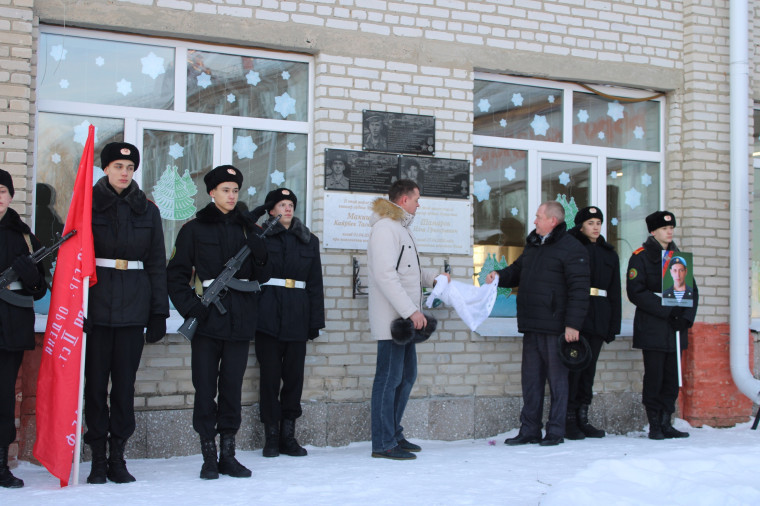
{"points": [[403, 331]]}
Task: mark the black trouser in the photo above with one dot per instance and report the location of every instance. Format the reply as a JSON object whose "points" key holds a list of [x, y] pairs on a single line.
{"points": [[10, 363], [218, 366], [280, 361], [112, 353], [581, 383], [660, 389], [540, 361]]}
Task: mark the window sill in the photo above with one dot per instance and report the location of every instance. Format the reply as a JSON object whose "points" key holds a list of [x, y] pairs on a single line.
{"points": [[507, 327]]}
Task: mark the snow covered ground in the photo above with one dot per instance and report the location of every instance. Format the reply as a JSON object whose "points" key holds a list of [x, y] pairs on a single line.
{"points": [[712, 467]]}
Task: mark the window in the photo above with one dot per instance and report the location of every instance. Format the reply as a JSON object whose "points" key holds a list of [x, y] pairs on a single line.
{"points": [[538, 140], [755, 296], [187, 107]]}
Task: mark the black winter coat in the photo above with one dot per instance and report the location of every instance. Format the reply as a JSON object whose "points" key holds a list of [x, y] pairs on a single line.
{"points": [[17, 323], [204, 245], [127, 227], [553, 281], [651, 330], [293, 314], [604, 313]]}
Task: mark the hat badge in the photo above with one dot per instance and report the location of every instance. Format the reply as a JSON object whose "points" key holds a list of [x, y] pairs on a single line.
{"points": [[592, 210], [574, 353], [125, 151], [231, 171], [285, 192], [666, 218]]}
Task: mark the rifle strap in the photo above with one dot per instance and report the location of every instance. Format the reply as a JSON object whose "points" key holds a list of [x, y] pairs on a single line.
{"points": [[197, 284], [29, 243]]}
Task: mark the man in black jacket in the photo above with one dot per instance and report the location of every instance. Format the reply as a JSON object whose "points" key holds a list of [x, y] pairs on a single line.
{"points": [[221, 343], [553, 278]]}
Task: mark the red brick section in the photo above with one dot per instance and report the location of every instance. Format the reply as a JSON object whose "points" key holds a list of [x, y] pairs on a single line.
{"points": [[709, 395]]}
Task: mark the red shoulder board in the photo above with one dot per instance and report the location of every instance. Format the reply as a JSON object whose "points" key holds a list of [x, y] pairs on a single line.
{"points": [[638, 250]]}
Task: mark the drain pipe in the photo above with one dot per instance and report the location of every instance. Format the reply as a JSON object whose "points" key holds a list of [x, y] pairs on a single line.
{"points": [[739, 126]]}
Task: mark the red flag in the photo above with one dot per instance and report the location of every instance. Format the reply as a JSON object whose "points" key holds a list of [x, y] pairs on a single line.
{"points": [[58, 381]]}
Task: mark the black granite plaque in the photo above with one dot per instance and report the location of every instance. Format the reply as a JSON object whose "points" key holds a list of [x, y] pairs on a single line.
{"points": [[437, 177], [359, 171], [398, 133]]}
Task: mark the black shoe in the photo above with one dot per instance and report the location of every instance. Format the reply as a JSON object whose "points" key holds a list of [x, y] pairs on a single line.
{"points": [[522, 439], [7, 480], [655, 425], [288, 443], [668, 430], [99, 465], [395, 453], [228, 464], [271, 440], [210, 468], [584, 425], [551, 441], [572, 431], [117, 466], [408, 446]]}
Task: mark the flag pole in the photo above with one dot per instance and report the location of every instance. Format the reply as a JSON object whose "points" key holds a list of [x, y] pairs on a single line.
{"points": [[80, 397]]}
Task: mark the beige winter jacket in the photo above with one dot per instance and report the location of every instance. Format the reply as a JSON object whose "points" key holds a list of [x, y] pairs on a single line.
{"points": [[395, 277]]}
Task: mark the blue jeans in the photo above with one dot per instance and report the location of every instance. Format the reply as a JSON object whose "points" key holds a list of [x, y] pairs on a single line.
{"points": [[395, 373]]}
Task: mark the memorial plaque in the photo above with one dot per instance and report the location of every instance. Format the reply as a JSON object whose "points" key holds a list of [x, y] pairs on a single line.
{"points": [[398, 133], [359, 171], [437, 177]]}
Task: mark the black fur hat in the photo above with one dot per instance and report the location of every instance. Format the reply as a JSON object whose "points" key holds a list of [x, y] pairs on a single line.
{"points": [[119, 151], [576, 355], [222, 174], [660, 219], [403, 331], [7, 181], [588, 213]]}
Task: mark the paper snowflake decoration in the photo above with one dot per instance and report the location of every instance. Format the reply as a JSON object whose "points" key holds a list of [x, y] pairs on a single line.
{"points": [[244, 146], [478, 162], [277, 177], [481, 190], [124, 87], [203, 80], [613, 174], [582, 116], [646, 179], [638, 132], [510, 173], [564, 178], [252, 78], [291, 146], [176, 151], [99, 61], [539, 125], [517, 99], [513, 211], [551, 99], [285, 105], [633, 198], [56, 158], [614, 222], [615, 111], [152, 65], [251, 191], [81, 131], [600, 135], [484, 105], [63, 83], [58, 52], [231, 98], [503, 123], [286, 75]]}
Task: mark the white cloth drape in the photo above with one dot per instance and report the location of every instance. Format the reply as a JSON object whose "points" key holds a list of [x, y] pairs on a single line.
{"points": [[472, 303]]}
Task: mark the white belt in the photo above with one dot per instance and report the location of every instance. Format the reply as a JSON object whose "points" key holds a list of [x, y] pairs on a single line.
{"points": [[16, 285], [119, 264], [208, 282], [286, 283], [598, 292]]}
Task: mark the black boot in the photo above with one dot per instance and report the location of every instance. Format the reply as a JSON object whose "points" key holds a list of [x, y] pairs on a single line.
{"points": [[572, 431], [7, 480], [272, 440], [288, 443], [117, 466], [228, 464], [668, 430], [588, 429], [655, 427], [99, 469], [210, 468]]}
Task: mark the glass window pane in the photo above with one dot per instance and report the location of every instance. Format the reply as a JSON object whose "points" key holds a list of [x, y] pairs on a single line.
{"points": [[521, 112], [633, 192], [567, 183], [756, 145], [270, 160], [598, 121], [755, 297], [105, 72], [237, 85], [500, 204]]}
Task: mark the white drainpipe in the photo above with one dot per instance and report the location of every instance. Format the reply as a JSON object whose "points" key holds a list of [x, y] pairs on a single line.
{"points": [[739, 249]]}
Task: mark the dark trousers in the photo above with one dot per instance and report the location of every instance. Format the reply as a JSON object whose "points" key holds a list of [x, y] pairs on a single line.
{"points": [[218, 367], [660, 389], [280, 361], [581, 383], [10, 363], [540, 360], [112, 353]]}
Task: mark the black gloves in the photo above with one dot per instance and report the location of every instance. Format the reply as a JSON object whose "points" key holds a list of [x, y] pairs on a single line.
{"points": [[27, 270], [156, 329], [258, 249], [198, 311], [676, 320]]}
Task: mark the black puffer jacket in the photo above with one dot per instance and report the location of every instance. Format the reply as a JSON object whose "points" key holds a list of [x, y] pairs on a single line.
{"points": [[17, 323], [127, 227], [604, 313], [205, 244], [651, 330], [293, 314], [553, 280]]}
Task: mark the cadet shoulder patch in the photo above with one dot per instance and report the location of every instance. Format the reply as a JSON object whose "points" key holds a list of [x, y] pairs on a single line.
{"points": [[632, 273], [638, 250]]}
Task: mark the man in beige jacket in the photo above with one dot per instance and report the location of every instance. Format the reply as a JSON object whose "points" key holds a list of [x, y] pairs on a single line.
{"points": [[395, 290]]}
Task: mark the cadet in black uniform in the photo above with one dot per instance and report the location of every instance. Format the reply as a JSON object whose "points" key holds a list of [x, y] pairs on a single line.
{"points": [[602, 321], [292, 309], [16, 323], [130, 294], [220, 346], [655, 325]]}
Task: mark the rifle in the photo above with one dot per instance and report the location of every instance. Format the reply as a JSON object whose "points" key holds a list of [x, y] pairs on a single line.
{"points": [[9, 275], [225, 280]]}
